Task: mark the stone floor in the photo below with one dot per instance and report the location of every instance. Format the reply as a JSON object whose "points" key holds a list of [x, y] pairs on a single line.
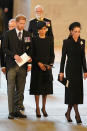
{"points": [[55, 108]]}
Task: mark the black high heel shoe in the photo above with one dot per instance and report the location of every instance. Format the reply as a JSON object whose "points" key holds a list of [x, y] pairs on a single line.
{"points": [[44, 113], [69, 120], [38, 115], [78, 120]]}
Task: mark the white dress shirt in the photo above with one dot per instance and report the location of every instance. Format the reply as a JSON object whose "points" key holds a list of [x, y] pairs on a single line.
{"points": [[17, 31]]}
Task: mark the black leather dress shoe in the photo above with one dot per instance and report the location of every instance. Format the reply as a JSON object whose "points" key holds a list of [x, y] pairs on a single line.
{"points": [[20, 115], [11, 116]]}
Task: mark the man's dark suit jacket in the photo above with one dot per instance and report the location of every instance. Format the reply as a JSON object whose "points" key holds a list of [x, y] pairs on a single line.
{"points": [[33, 28], [2, 56], [12, 46]]}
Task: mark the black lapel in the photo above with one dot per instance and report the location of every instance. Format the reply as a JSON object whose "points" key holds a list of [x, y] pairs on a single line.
{"points": [[15, 39], [23, 35], [15, 34]]}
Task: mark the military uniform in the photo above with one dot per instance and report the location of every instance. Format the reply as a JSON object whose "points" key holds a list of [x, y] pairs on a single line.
{"points": [[34, 30]]}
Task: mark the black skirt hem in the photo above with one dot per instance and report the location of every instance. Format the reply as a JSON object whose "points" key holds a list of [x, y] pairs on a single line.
{"points": [[73, 103], [41, 94]]}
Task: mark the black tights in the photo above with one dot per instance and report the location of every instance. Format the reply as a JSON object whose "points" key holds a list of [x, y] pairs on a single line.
{"points": [[75, 106], [76, 110], [69, 109]]}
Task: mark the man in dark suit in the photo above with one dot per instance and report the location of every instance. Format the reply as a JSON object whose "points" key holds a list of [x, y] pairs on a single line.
{"points": [[7, 7], [11, 26], [16, 43], [39, 17]]}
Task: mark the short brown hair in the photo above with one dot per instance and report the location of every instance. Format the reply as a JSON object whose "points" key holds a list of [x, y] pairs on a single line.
{"points": [[20, 17]]}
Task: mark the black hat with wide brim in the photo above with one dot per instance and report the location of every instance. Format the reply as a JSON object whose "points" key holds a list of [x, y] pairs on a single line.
{"points": [[41, 24]]}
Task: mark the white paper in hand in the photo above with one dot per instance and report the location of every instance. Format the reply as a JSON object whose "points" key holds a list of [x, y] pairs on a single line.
{"points": [[25, 59]]}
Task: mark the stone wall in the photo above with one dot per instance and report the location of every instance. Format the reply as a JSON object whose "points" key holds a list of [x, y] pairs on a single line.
{"points": [[23, 7]]}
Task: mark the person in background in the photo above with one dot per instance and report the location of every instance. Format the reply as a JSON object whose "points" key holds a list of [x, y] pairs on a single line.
{"points": [[41, 73], [7, 8], [12, 24], [74, 49], [39, 11]]}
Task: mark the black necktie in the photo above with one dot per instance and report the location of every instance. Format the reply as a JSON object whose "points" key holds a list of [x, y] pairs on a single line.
{"points": [[19, 35]]}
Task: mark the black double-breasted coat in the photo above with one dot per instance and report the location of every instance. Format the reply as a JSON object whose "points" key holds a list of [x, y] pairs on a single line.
{"points": [[75, 66]]}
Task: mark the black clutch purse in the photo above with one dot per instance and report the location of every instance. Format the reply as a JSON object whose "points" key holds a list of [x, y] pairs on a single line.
{"points": [[65, 81]]}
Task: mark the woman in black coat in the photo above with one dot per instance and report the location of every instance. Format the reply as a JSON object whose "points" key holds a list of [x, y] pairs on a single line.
{"points": [[41, 74], [74, 49]]}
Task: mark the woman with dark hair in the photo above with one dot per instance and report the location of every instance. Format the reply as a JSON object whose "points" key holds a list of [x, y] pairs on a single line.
{"points": [[74, 49], [71, 27], [41, 73]]}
